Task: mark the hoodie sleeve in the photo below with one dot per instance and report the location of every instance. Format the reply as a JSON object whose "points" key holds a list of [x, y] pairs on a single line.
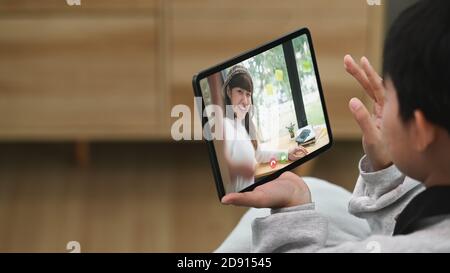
{"points": [[290, 230], [378, 197]]}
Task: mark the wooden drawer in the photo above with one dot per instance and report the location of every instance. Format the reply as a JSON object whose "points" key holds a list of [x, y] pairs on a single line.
{"points": [[204, 33], [78, 77]]}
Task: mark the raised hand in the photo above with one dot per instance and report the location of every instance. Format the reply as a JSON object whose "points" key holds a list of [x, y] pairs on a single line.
{"points": [[370, 123]]}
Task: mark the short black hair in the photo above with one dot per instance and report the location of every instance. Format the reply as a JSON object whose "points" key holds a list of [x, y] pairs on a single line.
{"points": [[417, 59]]}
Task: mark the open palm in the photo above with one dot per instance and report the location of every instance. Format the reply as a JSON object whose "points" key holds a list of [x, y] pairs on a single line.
{"points": [[286, 191], [370, 123]]}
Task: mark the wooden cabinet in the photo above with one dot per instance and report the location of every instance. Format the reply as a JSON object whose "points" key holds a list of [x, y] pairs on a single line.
{"points": [[110, 70], [85, 72], [204, 33]]}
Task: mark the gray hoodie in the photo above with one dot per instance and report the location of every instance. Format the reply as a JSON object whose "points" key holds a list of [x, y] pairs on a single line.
{"points": [[379, 197]]}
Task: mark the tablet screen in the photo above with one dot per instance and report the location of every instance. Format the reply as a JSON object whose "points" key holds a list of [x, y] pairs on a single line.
{"points": [[265, 111]]}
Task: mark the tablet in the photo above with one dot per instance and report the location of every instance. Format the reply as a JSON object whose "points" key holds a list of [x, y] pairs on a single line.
{"points": [[263, 112]]}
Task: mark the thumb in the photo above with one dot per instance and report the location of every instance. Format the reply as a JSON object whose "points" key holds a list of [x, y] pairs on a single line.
{"points": [[363, 118]]}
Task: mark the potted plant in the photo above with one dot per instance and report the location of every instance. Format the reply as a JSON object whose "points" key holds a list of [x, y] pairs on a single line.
{"points": [[291, 129]]}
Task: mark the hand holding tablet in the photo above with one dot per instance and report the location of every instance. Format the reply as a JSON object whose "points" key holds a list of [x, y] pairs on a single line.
{"points": [[264, 113]]}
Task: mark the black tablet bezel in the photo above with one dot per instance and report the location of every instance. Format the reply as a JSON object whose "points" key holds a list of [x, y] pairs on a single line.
{"points": [[233, 61]]}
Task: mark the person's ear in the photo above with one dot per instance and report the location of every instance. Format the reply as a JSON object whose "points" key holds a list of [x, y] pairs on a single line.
{"points": [[424, 132], [229, 92]]}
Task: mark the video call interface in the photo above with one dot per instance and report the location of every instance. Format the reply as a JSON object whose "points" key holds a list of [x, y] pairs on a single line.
{"points": [[271, 113]]}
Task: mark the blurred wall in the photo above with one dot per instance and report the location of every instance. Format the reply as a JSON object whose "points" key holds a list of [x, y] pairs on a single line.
{"points": [[113, 70], [105, 75]]}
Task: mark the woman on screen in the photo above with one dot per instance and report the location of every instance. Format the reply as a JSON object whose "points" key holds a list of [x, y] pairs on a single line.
{"points": [[241, 144]]}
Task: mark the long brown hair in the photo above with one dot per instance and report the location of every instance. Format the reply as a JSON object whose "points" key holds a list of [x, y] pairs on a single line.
{"points": [[238, 76]]}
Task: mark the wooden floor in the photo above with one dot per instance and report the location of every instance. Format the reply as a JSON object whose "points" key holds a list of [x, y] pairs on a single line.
{"points": [[132, 197]]}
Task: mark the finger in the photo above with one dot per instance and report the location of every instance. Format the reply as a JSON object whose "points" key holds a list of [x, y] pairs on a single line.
{"points": [[363, 118], [300, 152], [289, 175], [248, 199], [300, 148], [375, 81], [303, 149], [229, 198], [358, 73]]}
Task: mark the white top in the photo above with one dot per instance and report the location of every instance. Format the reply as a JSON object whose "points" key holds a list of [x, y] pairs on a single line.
{"points": [[239, 148]]}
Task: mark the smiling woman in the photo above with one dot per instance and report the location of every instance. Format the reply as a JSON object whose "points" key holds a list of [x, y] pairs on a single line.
{"points": [[241, 148], [238, 93]]}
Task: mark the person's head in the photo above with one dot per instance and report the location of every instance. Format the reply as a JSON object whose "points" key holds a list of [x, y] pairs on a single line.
{"points": [[238, 88], [416, 68], [238, 94]]}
